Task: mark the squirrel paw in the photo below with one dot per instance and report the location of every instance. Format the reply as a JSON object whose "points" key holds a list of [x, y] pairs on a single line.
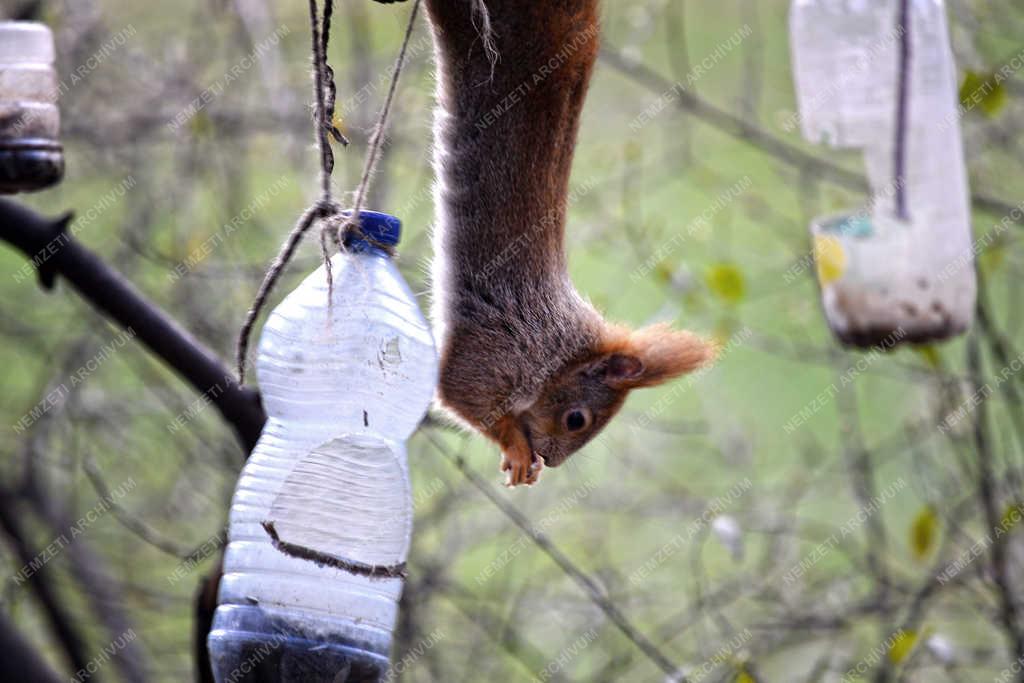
{"points": [[521, 470], [517, 457]]}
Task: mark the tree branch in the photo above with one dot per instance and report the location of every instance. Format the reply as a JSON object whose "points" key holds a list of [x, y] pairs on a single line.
{"points": [[60, 621], [988, 495], [589, 586], [735, 126], [21, 661], [55, 252]]}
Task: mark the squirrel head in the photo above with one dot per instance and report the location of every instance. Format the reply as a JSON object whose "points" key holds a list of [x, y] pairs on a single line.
{"points": [[579, 400]]}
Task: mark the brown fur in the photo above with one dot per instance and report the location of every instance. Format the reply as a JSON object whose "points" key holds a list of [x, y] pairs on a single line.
{"points": [[520, 349]]}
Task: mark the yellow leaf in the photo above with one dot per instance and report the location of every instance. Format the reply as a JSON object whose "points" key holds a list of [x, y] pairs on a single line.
{"points": [[726, 281], [743, 677], [829, 258], [930, 354], [923, 532], [338, 121], [902, 645], [983, 90]]}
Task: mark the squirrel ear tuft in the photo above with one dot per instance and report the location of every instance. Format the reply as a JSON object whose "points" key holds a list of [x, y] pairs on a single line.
{"points": [[654, 355]]}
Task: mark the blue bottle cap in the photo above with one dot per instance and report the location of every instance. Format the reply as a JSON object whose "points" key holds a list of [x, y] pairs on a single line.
{"points": [[378, 227]]}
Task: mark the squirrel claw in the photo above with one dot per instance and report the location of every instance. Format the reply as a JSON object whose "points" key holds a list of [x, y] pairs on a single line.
{"points": [[520, 472], [517, 458]]}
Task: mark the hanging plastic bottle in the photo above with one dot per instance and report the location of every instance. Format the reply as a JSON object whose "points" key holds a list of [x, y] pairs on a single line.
{"points": [[31, 157], [343, 386], [902, 268]]}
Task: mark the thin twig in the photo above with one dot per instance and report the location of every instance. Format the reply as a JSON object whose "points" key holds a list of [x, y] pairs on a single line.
{"points": [[319, 88], [862, 475], [588, 585], [759, 138], [326, 207], [137, 526], [1005, 354], [988, 495], [63, 626], [323, 208], [291, 243], [373, 154], [109, 292]]}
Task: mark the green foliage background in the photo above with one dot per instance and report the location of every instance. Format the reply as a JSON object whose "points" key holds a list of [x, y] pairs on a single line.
{"points": [[658, 468]]}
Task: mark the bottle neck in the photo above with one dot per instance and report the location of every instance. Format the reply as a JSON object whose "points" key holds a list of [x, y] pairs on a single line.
{"points": [[363, 249], [358, 243]]}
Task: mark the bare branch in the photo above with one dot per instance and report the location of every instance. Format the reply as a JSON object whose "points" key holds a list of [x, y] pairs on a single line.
{"points": [[57, 253]]}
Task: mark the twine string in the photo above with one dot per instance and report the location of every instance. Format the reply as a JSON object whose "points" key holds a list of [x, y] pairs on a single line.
{"points": [[334, 222]]}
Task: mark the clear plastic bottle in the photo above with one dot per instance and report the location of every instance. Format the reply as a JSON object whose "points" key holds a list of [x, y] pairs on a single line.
{"points": [[887, 275], [31, 157], [343, 386]]}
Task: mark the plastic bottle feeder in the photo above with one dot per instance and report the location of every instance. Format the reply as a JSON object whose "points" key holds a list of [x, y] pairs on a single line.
{"points": [[894, 271], [322, 513]]}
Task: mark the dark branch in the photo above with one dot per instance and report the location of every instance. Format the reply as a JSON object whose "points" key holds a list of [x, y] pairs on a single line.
{"points": [[39, 579], [21, 661], [55, 252]]}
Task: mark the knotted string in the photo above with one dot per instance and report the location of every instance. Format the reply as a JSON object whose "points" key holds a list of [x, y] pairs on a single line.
{"points": [[335, 223]]}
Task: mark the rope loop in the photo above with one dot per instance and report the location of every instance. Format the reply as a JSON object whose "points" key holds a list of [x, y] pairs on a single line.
{"points": [[335, 223]]}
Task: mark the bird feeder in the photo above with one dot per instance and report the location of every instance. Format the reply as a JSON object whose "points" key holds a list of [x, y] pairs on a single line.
{"points": [[321, 520], [31, 157], [879, 76]]}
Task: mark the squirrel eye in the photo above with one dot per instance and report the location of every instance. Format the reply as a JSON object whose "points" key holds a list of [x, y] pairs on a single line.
{"points": [[576, 419]]}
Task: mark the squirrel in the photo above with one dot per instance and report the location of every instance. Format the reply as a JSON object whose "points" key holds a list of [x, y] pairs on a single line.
{"points": [[525, 360]]}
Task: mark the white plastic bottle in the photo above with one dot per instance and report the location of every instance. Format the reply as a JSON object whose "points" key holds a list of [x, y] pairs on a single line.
{"points": [[888, 273], [343, 386]]}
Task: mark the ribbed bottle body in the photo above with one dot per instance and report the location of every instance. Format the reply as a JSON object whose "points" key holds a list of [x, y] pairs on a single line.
{"points": [[343, 385]]}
